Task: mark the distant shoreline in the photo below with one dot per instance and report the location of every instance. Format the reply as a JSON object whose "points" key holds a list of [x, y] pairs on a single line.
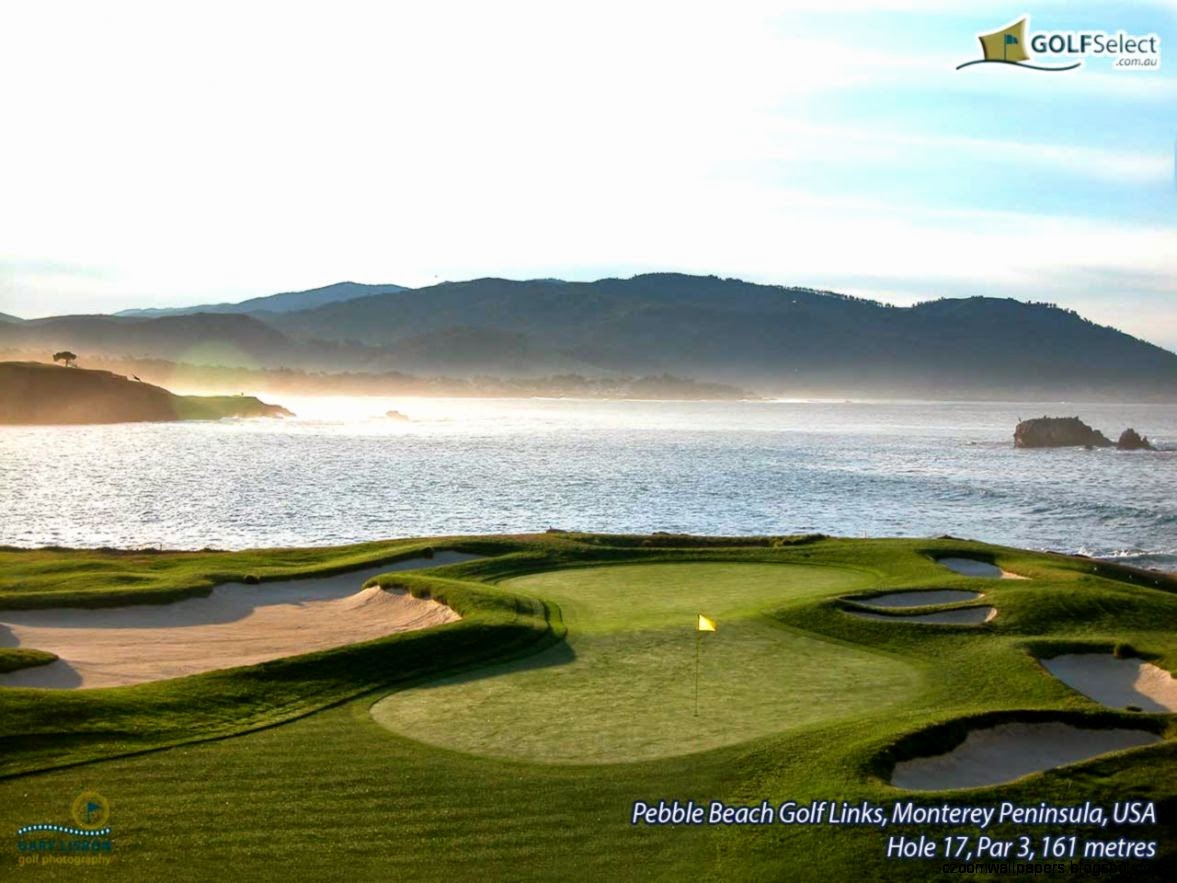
{"points": [[193, 379]]}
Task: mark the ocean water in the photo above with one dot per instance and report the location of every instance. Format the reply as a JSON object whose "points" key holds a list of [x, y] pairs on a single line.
{"points": [[341, 473]]}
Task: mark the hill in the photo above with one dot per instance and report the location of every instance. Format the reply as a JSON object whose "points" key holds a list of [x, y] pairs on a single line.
{"points": [[207, 338], [276, 303], [36, 393], [774, 340], [795, 341]]}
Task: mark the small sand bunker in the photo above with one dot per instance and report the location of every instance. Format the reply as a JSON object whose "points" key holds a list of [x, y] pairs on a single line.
{"points": [[919, 599], [1116, 682], [235, 625], [964, 616], [999, 754], [975, 567]]}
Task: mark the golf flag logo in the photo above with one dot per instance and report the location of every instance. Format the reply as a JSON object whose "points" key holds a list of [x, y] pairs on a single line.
{"points": [[90, 810], [705, 624], [1008, 44], [1011, 46]]}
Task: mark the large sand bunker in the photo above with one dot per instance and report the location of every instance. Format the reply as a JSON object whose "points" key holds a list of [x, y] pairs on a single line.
{"points": [[964, 616], [999, 754], [234, 625], [1116, 682], [919, 599], [975, 567]]}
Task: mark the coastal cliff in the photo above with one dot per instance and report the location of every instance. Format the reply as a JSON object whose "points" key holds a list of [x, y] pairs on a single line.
{"points": [[37, 393]]}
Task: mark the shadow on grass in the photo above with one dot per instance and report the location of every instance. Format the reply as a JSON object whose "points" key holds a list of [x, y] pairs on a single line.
{"points": [[555, 655]]}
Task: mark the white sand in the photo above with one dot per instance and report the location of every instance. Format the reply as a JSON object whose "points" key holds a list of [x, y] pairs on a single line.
{"points": [[966, 616], [235, 625], [919, 599], [1009, 751], [1116, 682], [973, 567]]}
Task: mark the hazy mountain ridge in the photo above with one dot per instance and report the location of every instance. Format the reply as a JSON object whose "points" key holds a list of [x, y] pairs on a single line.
{"points": [[286, 301], [214, 338], [773, 339]]}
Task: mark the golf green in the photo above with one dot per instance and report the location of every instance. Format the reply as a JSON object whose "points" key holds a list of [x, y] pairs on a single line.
{"points": [[622, 686], [512, 744]]}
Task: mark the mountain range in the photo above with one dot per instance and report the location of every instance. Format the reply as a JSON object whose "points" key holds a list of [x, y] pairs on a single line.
{"points": [[286, 302], [777, 340]]}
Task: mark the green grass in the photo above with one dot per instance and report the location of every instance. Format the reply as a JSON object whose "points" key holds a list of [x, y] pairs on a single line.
{"points": [[628, 668], [93, 578], [592, 661], [14, 658]]}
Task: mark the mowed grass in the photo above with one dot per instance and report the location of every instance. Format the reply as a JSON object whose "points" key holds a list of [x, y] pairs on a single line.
{"points": [[327, 793], [335, 796], [627, 668]]}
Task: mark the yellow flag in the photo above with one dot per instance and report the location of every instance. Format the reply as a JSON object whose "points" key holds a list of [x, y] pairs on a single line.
{"points": [[705, 624]]}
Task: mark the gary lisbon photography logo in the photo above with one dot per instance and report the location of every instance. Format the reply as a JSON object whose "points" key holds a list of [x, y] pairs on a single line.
{"points": [[1013, 44], [85, 842]]}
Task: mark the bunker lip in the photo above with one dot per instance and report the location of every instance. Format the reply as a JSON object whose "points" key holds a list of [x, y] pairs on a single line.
{"points": [[1115, 682], [235, 625], [917, 598], [1005, 748], [960, 616], [975, 567]]}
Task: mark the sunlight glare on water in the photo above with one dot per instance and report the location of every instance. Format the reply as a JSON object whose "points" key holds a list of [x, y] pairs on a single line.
{"points": [[343, 472]]}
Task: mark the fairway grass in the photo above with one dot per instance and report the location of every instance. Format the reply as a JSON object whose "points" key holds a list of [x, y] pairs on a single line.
{"points": [[627, 669], [525, 732]]}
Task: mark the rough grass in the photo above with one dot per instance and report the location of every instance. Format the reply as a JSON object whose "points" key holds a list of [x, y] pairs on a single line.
{"points": [[337, 796]]}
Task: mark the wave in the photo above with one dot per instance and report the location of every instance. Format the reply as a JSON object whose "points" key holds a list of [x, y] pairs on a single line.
{"points": [[1148, 559]]}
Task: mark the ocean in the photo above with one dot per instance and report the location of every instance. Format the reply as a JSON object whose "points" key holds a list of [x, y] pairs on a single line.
{"points": [[342, 472]]}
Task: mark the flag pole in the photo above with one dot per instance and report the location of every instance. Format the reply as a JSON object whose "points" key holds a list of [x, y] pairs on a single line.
{"points": [[698, 636]]}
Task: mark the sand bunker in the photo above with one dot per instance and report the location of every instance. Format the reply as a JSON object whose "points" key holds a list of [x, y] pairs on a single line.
{"points": [[965, 616], [235, 625], [1000, 754], [1116, 682], [918, 599], [974, 567]]}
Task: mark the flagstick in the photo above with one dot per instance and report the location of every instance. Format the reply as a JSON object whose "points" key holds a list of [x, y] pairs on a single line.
{"points": [[698, 636]]}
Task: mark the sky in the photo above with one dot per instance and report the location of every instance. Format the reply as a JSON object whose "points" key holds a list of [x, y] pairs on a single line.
{"points": [[171, 154]]}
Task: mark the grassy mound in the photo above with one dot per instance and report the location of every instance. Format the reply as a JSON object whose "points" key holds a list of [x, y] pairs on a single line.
{"points": [[15, 658]]}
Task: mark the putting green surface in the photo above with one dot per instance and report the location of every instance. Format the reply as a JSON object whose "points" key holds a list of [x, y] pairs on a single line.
{"points": [[622, 686]]}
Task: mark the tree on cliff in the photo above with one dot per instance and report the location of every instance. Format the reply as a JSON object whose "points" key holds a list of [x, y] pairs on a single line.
{"points": [[67, 357]]}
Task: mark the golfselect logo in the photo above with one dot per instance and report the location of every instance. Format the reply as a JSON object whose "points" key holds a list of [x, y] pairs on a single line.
{"points": [[1011, 45]]}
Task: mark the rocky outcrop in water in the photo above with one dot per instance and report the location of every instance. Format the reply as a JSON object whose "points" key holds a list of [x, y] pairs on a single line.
{"points": [[1058, 432], [1071, 432], [1131, 440]]}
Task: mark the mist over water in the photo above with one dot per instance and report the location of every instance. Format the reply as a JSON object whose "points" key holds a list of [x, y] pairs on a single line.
{"points": [[342, 472]]}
